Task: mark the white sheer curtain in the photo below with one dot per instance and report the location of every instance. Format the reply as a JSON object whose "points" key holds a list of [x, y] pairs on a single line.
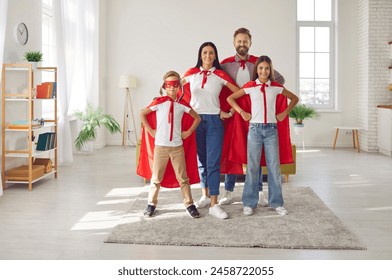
{"points": [[74, 27], [3, 25]]}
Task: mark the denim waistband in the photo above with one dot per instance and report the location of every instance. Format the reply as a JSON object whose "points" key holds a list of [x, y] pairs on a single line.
{"points": [[263, 124]]}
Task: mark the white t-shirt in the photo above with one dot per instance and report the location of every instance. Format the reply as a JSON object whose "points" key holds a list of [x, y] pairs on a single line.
{"points": [[263, 112], [242, 76], [205, 100], [162, 136]]}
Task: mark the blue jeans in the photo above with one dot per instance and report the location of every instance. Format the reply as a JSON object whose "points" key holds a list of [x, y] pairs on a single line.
{"points": [[231, 178], [259, 135], [209, 140]]}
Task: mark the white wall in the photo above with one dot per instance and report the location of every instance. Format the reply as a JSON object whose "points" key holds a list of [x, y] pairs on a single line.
{"points": [[146, 40], [375, 32], [29, 12]]}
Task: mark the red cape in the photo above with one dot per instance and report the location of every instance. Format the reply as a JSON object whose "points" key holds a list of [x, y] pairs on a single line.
{"points": [[226, 92], [251, 59], [147, 146], [227, 166], [236, 135]]}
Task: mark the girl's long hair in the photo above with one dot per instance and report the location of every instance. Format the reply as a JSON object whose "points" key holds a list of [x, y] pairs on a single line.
{"points": [[269, 61]]}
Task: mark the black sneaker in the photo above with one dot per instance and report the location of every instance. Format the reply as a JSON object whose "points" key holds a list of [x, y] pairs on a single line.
{"points": [[192, 211], [150, 210]]}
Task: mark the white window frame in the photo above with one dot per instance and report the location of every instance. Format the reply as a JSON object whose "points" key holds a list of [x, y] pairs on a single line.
{"points": [[49, 57], [332, 105]]}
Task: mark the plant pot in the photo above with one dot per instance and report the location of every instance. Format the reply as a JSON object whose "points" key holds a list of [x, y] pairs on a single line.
{"points": [[34, 65], [88, 147], [299, 128]]}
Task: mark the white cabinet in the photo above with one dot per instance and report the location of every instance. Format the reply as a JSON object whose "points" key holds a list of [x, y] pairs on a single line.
{"points": [[384, 133]]}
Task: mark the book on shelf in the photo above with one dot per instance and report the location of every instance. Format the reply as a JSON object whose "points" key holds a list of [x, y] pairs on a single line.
{"points": [[46, 141], [22, 124], [46, 90]]}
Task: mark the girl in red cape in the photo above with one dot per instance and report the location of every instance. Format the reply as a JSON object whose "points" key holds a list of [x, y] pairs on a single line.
{"points": [[206, 87], [163, 120], [264, 94]]}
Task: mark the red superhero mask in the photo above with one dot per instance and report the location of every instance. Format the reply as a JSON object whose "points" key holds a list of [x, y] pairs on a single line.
{"points": [[168, 84]]}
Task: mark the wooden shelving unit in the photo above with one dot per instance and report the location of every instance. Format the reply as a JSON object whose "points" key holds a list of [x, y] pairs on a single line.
{"points": [[18, 90]]}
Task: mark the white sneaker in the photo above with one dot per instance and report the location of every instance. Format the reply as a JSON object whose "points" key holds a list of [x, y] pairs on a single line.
{"points": [[217, 212], [248, 211], [203, 202], [262, 200], [227, 198], [281, 211]]}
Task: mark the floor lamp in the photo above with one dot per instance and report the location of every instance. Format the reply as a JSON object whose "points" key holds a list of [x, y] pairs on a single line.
{"points": [[127, 82]]}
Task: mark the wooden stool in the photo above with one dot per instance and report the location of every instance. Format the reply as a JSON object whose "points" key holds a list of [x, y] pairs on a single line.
{"points": [[354, 130]]}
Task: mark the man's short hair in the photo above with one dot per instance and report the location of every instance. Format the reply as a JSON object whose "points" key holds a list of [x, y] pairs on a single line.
{"points": [[242, 30]]}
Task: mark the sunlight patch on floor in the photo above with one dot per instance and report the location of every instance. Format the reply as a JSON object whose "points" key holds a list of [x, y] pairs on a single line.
{"points": [[353, 185], [98, 220], [120, 192], [356, 181], [308, 151], [115, 201], [387, 208]]}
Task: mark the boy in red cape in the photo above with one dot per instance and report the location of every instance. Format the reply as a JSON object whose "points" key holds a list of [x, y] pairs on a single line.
{"points": [[163, 144], [144, 167]]}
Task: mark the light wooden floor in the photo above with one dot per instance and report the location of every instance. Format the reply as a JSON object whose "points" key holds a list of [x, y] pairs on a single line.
{"points": [[68, 218]]}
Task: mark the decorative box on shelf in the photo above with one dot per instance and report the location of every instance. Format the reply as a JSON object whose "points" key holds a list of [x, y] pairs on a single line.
{"points": [[21, 173], [46, 162]]}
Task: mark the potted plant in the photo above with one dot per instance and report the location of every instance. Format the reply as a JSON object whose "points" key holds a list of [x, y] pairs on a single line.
{"points": [[300, 113], [34, 57], [93, 118]]}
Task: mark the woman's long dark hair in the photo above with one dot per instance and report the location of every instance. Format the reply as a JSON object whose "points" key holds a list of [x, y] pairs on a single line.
{"points": [[269, 61], [216, 63]]}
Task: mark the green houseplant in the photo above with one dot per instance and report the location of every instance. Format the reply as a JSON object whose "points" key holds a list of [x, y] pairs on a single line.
{"points": [[93, 118], [302, 112], [35, 56]]}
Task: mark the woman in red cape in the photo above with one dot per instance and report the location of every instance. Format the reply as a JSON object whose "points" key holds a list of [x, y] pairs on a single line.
{"points": [[206, 88], [227, 164]]}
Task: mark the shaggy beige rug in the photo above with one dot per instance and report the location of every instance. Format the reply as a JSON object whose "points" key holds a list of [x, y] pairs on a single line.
{"points": [[309, 225]]}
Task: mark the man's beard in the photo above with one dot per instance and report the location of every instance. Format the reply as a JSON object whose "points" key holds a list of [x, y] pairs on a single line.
{"points": [[242, 50]]}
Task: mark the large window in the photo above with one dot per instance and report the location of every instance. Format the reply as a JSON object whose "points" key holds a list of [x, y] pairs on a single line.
{"points": [[48, 32], [48, 49], [315, 29]]}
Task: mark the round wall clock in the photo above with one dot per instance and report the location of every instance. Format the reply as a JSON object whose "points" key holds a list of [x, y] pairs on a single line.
{"points": [[22, 33]]}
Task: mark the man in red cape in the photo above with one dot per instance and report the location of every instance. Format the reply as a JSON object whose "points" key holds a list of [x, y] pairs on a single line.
{"points": [[147, 146], [236, 135]]}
